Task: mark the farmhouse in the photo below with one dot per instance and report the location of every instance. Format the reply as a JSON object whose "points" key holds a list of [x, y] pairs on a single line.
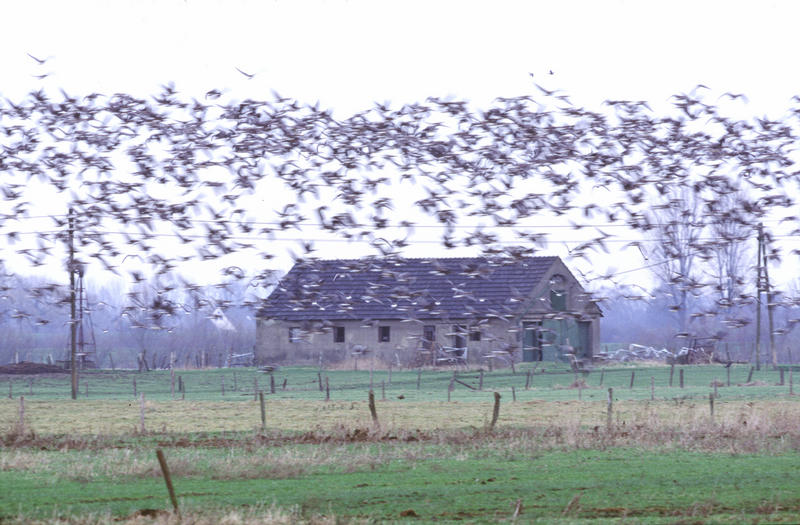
{"points": [[428, 311]]}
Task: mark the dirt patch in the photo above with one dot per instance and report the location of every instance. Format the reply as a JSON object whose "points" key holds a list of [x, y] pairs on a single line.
{"points": [[26, 368]]}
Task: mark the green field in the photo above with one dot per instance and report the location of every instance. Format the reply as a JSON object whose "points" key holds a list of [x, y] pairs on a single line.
{"points": [[554, 455]]}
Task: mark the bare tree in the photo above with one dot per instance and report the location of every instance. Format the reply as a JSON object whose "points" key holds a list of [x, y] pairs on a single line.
{"points": [[677, 231]]}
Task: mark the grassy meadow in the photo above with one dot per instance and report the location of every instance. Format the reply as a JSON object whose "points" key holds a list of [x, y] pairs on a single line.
{"points": [[554, 455]]}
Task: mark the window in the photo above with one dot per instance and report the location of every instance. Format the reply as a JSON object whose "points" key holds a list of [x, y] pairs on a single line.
{"points": [[384, 334], [295, 335], [428, 336], [558, 293], [338, 334], [475, 334], [459, 336]]}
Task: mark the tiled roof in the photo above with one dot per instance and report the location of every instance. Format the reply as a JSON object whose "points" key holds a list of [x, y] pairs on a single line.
{"points": [[447, 288]]}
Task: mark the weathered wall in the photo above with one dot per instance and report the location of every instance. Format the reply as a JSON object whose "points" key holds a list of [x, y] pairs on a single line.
{"points": [[274, 346]]}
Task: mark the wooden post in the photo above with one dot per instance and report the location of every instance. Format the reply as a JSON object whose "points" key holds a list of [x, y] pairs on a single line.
{"points": [[671, 373], [172, 374], [327, 389], [134, 388], [21, 414], [86, 388], [255, 388], [73, 321], [390, 374], [480, 380], [715, 387], [263, 412], [495, 411], [780, 370], [711, 405], [513, 394], [610, 409], [168, 480], [223, 385], [602, 373], [750, 375], [283, 386], [580, 391], [271, 384], [10, 390], [30, 386], [371, 367], [633, 375], [419, 376], [652, 388], [373, 412], [528, 380], [728, 370], [680, 377], [141, 414], [319, 380]]}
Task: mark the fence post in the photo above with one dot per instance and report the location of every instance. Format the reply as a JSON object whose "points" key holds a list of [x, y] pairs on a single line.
{"points": [[168, 480], [495, 411], [602, 374], [319, 380], [223, 385], [271, 383], [680, 377], [711, 405], [513, 394], [671, 373], [327, 389], [728, 370], [263, 412], [21, 414], [750, 375], [255, 388], [134, 388], [480, 379], [610, 409], [419, 376], [372, 410], [528, 380], [781, 383], [141, 414], [633, 375], [172, 374], [652, 388]]}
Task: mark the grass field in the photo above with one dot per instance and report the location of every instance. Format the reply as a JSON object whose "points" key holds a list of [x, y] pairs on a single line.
{"points": [[552, 457]]}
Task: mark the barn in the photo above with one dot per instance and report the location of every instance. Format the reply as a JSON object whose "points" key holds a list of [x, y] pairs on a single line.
{"points": [[428, 311]]}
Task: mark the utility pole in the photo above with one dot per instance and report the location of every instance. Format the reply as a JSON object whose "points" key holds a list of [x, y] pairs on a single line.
{"points": [[770, 306], [758, 296], [73, 364]]}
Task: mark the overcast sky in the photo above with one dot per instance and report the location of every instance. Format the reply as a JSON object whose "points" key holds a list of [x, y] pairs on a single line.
{"points": [[349, 54]]}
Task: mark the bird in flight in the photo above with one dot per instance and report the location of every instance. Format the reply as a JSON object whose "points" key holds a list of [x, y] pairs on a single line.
{"points": [[248, 75], [38, 60]]}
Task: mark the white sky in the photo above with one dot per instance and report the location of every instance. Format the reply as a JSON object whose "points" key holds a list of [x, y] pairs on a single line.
{"points": [[348, 54]]}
